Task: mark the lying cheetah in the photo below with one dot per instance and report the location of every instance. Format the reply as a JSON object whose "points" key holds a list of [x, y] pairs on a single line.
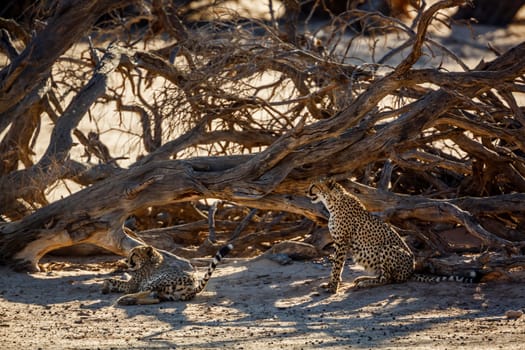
{"points": [[372, 243], [153, 280]]}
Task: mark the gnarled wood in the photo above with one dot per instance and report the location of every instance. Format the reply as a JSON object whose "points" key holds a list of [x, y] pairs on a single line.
{"points": [[248, 115]]}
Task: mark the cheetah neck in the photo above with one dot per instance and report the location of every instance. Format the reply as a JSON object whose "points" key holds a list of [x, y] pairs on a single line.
{"points": [[334, 200], [146, 269]]}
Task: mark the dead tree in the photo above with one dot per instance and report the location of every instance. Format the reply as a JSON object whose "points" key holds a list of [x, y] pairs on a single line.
{"points": [[239, 111], [490, 12]]}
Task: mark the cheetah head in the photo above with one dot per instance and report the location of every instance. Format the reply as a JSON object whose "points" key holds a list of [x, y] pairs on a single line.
{"points": [[319, 189], [141, 255]]}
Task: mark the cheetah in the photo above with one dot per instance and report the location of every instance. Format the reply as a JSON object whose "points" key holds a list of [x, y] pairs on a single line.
{"points": [[372, 243], [153, 280]]}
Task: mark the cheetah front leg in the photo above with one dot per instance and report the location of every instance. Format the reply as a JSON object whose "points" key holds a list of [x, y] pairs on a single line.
{"points": [[115, 285], [338, 262], [140, 298]]}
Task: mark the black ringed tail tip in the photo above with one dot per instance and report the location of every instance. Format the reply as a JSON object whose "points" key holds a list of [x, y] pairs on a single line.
{"points": [[216, 259], [224, 250], [472, 278]]}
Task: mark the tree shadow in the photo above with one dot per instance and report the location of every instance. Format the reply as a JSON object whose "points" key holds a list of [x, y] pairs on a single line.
{"points": [[256, 300], [285, 303]]}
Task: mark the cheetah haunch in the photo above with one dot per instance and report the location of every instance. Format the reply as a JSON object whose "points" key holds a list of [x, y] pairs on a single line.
{"points": [[372, 243], [152, 280]]}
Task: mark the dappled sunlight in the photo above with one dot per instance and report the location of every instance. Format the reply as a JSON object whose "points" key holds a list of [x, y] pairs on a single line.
{"points": [[189, 125], [255, 303]]}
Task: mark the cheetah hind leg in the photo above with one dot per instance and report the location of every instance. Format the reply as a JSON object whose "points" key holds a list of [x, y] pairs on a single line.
{"points": [[140, 298], [370, 281]]}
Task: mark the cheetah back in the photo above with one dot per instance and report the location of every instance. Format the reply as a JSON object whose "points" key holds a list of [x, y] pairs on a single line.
{"points": [[150, 274]]}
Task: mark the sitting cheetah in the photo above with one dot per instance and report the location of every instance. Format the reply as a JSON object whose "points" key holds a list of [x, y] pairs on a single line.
{"points": [[372, 243], [153, 280]]}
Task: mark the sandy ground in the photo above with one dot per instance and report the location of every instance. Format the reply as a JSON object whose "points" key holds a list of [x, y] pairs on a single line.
{"points": [[257, 304]]}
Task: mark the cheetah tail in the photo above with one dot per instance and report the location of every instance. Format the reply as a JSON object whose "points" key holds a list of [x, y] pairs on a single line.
{"points": [[216, 259], [473, 278]]}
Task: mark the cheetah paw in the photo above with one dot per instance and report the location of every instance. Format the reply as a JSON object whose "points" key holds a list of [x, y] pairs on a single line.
{"points": [[125, 300], [329, 287], [106, 288]]}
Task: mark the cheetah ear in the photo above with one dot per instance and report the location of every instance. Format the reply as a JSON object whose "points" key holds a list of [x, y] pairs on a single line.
{"points": [[331, 183], [149, 250]]}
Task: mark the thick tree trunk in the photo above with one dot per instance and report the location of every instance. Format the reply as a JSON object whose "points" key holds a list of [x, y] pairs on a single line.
{"points": [[490, 12], [337, 7], [96, 214], [432, 150]]}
